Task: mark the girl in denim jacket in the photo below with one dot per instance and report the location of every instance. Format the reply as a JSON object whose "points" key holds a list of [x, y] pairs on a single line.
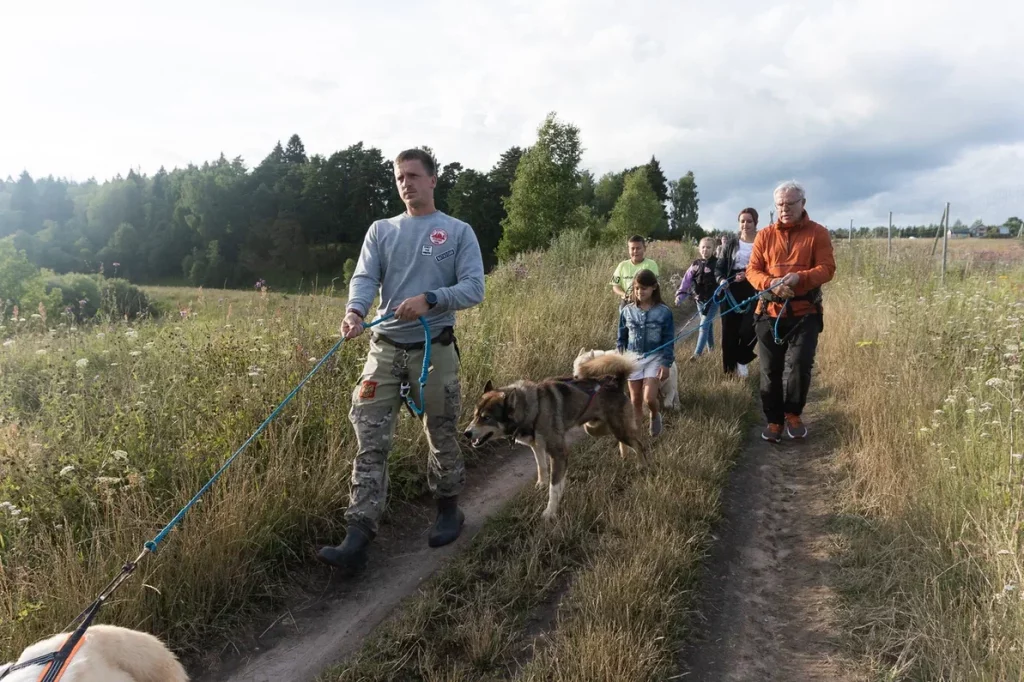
{"points": [[644, 325]]}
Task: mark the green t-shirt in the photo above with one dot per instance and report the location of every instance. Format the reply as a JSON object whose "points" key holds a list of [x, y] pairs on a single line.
{"points": [[626, 271]]}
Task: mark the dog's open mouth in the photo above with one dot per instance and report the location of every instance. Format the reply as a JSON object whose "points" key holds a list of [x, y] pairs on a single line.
{"points": [[477, 442]]}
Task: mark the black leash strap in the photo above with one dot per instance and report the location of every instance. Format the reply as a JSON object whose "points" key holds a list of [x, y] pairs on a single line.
{"points": [[57, 660]]}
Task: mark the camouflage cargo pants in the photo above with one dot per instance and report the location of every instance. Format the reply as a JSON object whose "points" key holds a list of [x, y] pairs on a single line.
{"points": [[376, 404]]}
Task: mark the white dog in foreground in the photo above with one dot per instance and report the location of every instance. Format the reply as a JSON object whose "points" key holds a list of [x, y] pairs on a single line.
{"points": [[669, 392], [108, 654]]}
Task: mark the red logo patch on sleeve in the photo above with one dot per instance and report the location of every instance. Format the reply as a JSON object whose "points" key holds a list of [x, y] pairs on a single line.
{"points": [[368, 390]]}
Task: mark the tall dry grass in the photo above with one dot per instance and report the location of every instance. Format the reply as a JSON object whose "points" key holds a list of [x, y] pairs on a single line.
{"points": [[928, 382], [106, 431]]}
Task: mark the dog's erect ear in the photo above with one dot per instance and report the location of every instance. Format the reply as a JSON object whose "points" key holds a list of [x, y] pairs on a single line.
{"points": [[582, 351], [510, 402], [488, 387]]}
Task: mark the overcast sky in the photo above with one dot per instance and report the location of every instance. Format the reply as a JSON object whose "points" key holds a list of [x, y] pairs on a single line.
{"points": [[873, 105]]}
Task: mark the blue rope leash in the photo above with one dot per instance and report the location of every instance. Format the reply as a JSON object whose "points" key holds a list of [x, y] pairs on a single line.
{"points": [[404, 390], [152, 545], [742, 306], [775, 327]]}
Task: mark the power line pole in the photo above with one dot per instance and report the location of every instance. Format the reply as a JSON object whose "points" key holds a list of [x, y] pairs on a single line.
{"points": [[888, 251], [942, 222], [851, 230], [945, 242]]}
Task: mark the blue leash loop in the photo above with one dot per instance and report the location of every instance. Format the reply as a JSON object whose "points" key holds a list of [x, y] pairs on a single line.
{"points": [[775, 327], [403, 390]]}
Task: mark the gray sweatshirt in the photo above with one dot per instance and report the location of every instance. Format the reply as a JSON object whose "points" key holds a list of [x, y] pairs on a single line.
{"points": [[406, 256]]}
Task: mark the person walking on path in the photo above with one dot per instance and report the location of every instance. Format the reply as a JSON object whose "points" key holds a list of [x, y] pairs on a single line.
{"points": [[796, 254], [738, 337], [622, 277], [699, 282], [646, 326], [421, 263]]}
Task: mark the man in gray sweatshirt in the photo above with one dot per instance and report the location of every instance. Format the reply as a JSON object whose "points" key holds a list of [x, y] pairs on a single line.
{"points": [[422, 263]]}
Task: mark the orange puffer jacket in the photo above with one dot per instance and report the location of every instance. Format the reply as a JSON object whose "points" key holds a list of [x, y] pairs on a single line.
{"points": [[804, 248]]}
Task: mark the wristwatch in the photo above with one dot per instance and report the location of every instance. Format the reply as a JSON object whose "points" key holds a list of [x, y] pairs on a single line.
{"points": [[431, 298]]}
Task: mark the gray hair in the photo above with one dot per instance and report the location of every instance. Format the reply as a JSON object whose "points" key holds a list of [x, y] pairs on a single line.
{"points": [[790, 186]]}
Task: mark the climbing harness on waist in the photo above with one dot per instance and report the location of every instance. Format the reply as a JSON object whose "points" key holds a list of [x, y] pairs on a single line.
{"points": [[814, 296]]}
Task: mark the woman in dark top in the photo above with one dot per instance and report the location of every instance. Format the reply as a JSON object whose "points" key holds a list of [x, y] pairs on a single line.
{"points": [[738, 336]]}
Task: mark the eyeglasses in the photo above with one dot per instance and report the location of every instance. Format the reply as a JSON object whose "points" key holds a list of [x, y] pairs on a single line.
{"points": [[788, 204]]}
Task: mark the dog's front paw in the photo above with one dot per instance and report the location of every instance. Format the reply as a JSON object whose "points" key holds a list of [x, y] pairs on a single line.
{"points": [[548, 515], [541, 484]]}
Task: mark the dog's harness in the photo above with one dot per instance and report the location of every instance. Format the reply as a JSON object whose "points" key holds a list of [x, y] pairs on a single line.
{"points": [[591, 390], [56, 662]]}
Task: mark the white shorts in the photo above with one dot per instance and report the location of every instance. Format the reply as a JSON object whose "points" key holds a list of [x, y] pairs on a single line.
{"points": [[647, 369]]}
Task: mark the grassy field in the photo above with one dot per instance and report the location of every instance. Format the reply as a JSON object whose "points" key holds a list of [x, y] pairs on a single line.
{"points": [[107, 430], [929, 383]]}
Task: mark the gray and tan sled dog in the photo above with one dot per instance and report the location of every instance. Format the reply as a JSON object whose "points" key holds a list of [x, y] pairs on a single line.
{"points": [[540, 414]]}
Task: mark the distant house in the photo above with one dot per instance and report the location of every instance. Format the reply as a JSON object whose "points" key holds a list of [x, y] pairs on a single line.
{"points": [[1004, 231], [961, 233]]}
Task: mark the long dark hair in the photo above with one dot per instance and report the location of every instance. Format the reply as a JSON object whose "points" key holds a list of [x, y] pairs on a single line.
{"points": [[647, 278]]}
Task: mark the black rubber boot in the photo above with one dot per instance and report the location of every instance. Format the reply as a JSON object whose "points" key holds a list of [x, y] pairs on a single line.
{"points": [[449, 522], [350, 556]]}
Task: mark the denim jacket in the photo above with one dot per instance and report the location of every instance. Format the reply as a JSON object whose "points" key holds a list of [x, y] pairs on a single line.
{"points": [[641, 331]]}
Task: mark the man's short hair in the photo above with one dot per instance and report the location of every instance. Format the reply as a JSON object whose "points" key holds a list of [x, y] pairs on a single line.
{"points": [[418, 155], [636, 238], [790, 185]]}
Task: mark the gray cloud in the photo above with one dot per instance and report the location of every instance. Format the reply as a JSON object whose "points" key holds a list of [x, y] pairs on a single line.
{"points": [[876, 106]]}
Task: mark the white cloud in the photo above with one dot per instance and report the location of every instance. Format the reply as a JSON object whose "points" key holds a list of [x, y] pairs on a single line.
{"points": [[875, 105]]}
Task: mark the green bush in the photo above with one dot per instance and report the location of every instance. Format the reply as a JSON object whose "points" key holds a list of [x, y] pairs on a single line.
{"points": [[80, 294], [123, 300], [22, 285]]}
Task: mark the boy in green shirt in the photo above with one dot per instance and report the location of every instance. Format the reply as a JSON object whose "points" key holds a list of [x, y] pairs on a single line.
{"points": [[622, 278]]}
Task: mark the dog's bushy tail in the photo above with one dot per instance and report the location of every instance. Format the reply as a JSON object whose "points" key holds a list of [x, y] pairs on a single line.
{"points": [[610, 365]]}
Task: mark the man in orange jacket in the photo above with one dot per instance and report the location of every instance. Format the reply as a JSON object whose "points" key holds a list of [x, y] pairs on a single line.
{"points": [[796, 254]]}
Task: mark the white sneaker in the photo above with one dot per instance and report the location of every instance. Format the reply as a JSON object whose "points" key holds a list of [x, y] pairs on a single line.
{"points": [[741, 370]]}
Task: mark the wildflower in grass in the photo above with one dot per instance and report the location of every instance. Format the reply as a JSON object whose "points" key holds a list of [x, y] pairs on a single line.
{"points": [[8, 342], [995, 382], [119, 455], [67, 470], [82, 363], [135, 353]]}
